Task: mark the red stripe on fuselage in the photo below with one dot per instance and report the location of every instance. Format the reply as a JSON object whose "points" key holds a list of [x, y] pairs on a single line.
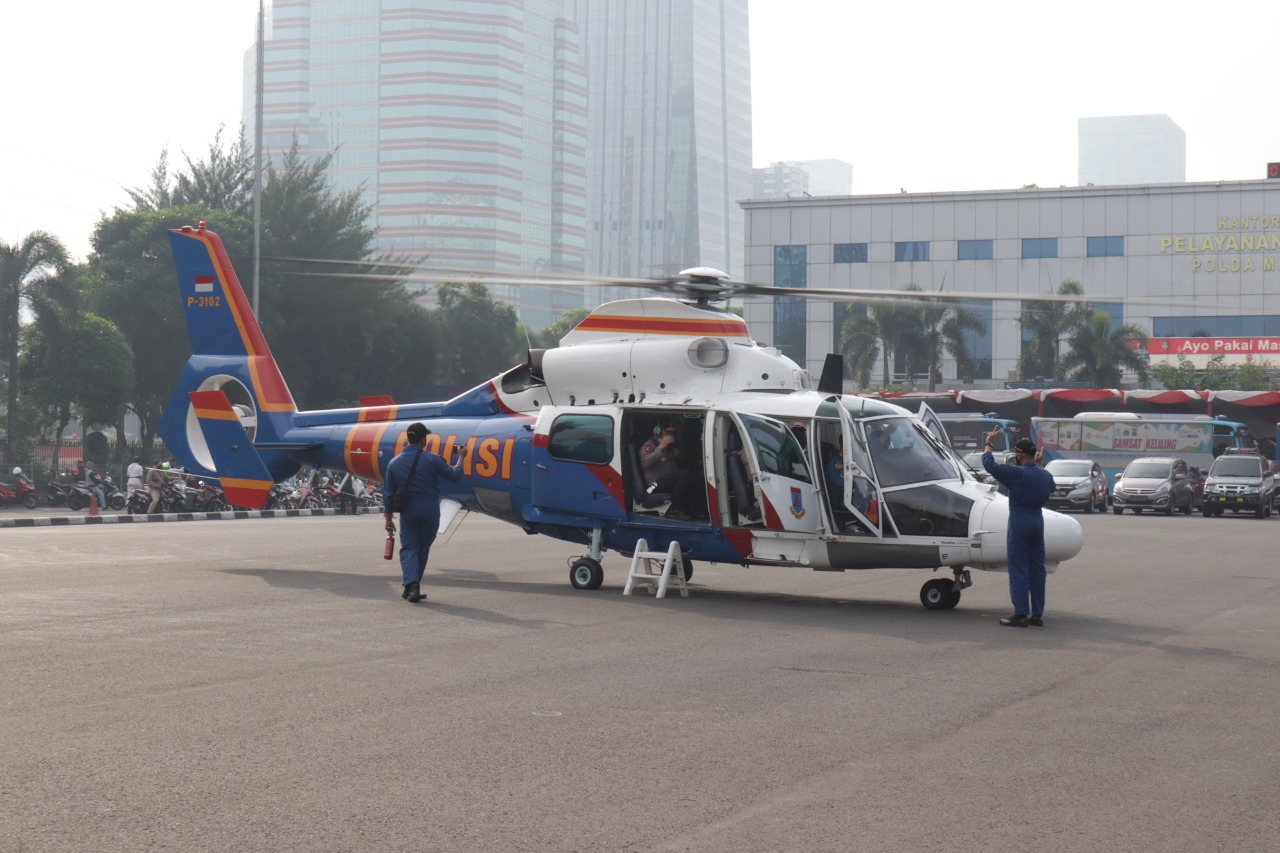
{"points": [[662, 326], [361, 450]]}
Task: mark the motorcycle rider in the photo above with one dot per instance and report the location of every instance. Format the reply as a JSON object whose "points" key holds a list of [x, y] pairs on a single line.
{"points": [[21, 480], [155, 482], [91, 480]]}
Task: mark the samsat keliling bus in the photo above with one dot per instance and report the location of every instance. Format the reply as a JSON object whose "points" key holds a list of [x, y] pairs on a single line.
{"points": [[1114, 439]]}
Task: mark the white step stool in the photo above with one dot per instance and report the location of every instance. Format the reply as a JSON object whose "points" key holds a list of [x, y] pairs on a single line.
{"points": [[643, 572]]}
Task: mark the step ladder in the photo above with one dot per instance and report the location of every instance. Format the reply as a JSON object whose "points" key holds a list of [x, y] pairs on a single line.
{"points": [[643, 572]]}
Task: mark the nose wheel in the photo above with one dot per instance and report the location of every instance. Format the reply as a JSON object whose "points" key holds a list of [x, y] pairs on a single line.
{"points": [[943, 594]]}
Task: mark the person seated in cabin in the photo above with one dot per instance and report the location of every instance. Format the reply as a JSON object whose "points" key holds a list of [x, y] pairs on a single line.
{"points": [[833, 478], [660, 461]]}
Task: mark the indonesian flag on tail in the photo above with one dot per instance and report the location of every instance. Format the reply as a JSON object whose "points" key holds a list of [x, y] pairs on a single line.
{"points": [[204, 284]]}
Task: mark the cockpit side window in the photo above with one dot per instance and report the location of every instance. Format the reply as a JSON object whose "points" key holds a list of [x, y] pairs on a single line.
{"points": [[776, 449]]}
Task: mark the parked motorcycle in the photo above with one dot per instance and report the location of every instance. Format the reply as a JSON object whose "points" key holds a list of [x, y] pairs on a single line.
{"points": [[116, 499], [280, 497], [208, 497], [139, 501], [174, 497], [78, 496], [21, 492], [55, 493]]}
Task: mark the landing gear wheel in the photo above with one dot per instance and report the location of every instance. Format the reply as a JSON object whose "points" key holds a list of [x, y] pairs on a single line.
{"points": [[586, 573], [939, 594], [688, 568]]}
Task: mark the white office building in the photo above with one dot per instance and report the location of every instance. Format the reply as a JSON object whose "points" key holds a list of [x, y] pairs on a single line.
{"points": [[1182, 261]]}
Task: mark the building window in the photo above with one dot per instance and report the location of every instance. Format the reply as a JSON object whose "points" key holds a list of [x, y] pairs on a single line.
{"points": [[974, 250], [1039, 247], [979, 342], [851, 253], [911, 250], [790, 315], [1105, 247], [1114, 309]]}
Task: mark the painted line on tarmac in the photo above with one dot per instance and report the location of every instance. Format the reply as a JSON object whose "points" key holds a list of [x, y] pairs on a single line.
{"points": [[124, 518]]}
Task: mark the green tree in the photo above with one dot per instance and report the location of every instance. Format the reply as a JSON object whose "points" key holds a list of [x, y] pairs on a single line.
{"points": [[476, 336], [551, 335], [83, 361], [1252, 376], [23, 266], [872, 331], [941, 329], [1185, 376], [222, 182], [1045, 325], [1099, 354]]}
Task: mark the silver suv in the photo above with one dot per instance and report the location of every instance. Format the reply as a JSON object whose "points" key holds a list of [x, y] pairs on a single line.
{"points": [[1239, 482]]}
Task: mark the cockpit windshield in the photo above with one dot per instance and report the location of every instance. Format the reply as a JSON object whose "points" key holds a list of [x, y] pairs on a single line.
{"points": [[901, 453]]}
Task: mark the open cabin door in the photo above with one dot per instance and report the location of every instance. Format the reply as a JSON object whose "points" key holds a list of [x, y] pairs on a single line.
{"points": [[933, 423], [861, 496], [763, 477]]}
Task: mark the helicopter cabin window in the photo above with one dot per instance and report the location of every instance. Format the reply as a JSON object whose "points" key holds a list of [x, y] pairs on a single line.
{"points": [[582, 438], [776, 449]]}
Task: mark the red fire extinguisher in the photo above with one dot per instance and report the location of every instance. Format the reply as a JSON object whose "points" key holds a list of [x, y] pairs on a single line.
{"points": [[390, 546]]}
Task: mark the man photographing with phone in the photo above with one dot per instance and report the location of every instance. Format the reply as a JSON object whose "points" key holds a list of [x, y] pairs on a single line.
{"points": [[412, 488]]}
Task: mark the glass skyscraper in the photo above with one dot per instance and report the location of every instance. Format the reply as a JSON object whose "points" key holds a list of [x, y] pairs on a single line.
{"points": [[669, 134], [462, 123]]}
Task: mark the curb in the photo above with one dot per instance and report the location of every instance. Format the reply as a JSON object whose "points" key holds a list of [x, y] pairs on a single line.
{"points": [[125, 518]]}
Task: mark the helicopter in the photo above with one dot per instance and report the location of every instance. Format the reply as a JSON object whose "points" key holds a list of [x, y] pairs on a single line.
{"points": [[784, 473]]}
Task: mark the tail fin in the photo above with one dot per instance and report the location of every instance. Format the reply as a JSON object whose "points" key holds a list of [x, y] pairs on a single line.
{"points": [[229, 354], [245, 479]]}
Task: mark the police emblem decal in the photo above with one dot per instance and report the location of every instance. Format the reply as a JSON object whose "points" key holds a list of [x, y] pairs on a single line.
{"points": [[797, 504]]}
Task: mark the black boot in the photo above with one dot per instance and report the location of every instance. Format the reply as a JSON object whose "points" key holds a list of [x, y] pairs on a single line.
{"points": [[415, 593], [405, 594]]}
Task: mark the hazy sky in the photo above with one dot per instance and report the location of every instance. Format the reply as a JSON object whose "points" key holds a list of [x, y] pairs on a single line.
{"points": [[926, 96]]}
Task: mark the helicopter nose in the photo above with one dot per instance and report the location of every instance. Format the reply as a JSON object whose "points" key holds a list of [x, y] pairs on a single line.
{"points": [[1063, 537]]}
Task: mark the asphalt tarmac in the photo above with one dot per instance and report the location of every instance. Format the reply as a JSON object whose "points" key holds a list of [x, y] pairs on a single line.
{"points": [[259, 685]]}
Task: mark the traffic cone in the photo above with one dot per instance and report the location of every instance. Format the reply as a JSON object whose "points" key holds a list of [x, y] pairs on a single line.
{"points": [[93, 503]]}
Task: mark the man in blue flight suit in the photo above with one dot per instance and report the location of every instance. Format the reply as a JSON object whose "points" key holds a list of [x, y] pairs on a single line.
{"points": [[1029, 489], [419, 472]]}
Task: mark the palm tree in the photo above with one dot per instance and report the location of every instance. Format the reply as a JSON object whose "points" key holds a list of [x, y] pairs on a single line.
{"points": [[942, 329], [1047, 323], [23, 266], [1099, 354], [872, 331]]}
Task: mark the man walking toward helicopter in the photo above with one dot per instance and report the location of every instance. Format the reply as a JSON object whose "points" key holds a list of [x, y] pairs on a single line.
{"points": [[412, 488]]}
